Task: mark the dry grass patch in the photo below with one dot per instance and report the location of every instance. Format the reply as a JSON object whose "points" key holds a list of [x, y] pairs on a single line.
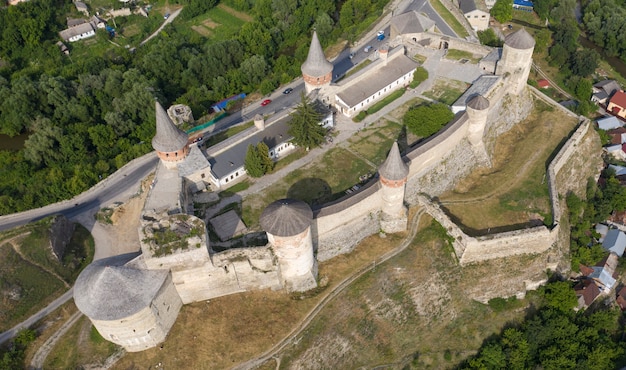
{"points": [[243, 16], [222, 332], [446, 91], [514, 190], [203, 31], [209, 23], [131, 30]]}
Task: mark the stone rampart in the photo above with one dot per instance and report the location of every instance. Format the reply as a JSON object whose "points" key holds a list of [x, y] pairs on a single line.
{"points": [[338, 227], [435, 40]]}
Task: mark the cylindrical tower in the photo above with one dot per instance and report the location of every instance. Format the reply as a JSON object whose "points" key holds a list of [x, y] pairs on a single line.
{"points": [[170, 142], [316, 70], [517, 54], [393, 175], [288, 226], [477, 110], [129, 306]]}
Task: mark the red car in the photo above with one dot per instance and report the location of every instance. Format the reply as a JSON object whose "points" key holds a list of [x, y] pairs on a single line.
{"points": [[266, 102]]}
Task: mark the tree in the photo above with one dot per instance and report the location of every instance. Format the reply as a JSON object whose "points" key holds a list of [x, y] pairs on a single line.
{"points": [[252, 163], [489, 37], [264, 154], [584, 62], [502, 10], [560, 296], [427, 119], [305, 125]]}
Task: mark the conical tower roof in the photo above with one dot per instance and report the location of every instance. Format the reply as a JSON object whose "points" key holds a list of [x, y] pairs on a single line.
{"points": [[478, 102], [286, 217], [316, 64], [520, 39], [108, 289], [394, 168], [168, 138]]}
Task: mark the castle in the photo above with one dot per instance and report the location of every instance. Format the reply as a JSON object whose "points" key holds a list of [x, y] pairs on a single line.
{"points": [[134, 299]]}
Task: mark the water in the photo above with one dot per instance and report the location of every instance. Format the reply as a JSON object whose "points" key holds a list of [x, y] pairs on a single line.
{"points": [[12, 143], [615, 62]]}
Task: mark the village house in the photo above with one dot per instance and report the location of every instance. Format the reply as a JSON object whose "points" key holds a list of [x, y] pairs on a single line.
{"points": [[596, 280], [478, 19], [615, 242], [608, 123], [81, 7], [81, 29], [618, 135], [617, 104], [603, 90]]}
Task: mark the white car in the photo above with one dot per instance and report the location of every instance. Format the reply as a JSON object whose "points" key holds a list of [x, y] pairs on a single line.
{"points": [[368, 48], [380, 33]]}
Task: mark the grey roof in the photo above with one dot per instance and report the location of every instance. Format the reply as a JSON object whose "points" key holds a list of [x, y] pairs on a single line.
{"points": [[478, 102], [286, 217], [520, 39], [467, 6], [228, 225], [480, 87], [77, 30], [607, 123], [107, 289], [73, 22], [316, 64], [411, 22], [608, 86], [230, 160], [394, 167], [382, 75], [615, 241], [494, 55], [168, 138], [194, 162]]}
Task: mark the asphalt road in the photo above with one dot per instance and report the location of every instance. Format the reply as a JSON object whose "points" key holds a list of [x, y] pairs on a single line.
{"points": [[119, 186]]}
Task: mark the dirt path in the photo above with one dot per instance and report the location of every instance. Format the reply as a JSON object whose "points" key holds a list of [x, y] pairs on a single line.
{"points": [[16, 248], [44, 350], [291, 337]]}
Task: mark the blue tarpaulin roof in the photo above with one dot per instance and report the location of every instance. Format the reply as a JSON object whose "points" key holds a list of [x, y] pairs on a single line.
{"points": [[523, 3]]}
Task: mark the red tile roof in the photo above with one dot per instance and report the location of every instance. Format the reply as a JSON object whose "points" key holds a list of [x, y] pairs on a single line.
{"points": [[543, 83], [619, 99], [588, 290]]}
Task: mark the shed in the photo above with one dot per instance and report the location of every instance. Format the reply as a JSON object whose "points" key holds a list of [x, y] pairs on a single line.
{"points": [[543, 84]]}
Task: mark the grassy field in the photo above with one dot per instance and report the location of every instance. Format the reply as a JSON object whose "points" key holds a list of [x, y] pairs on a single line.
{"points": [[446, 91], [338, 170], [30, 276], [412, 312], [513, 192], [455, 54], [219, 23]]}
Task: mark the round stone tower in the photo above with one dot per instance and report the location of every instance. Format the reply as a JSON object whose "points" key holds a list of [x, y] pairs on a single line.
{"points": [[288, 226], [393, 175], [130, 306], [477, 110], [516, 60], [316, 70], [170, 142]]}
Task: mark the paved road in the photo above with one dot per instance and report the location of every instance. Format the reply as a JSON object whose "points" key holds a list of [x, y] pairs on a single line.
{"points": [[169, 20]]}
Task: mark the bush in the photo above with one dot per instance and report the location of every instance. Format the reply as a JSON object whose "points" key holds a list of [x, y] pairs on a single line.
{"points": [[420, 75]]}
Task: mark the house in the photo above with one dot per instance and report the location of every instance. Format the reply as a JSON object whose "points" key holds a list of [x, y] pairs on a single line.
{"points": [[601, 229], [586, 291], [608, 123], [82, 31], [63, 48], [523, 5], [478, 19], [617, 104], [603, 90], [543, 84], [481, 86], [410, 25], [618, 135], [615, 242], [603, 272], [81, 7], [617, 151]]}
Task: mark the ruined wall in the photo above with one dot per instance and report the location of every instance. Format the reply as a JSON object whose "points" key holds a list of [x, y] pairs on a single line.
{"points": [[61, 232]]}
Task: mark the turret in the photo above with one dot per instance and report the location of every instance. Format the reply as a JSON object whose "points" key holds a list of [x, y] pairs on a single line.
{"points": [[288, 226], [316, 70], [393, 176], [170, 142], [477, 110], [516, 60]]}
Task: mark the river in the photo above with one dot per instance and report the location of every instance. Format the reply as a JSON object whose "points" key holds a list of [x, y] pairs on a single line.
{"points": [[12, 143]]}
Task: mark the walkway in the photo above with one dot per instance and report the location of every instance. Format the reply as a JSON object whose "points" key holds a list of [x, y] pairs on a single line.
{"points": [[290, 338]]}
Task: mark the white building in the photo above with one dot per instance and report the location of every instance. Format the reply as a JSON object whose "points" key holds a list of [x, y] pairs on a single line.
{"points": [[478, 19]]}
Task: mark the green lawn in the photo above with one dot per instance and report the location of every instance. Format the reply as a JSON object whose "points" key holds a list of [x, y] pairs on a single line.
{"points": [[455, 54], [217, 24], [449, 18], [446, 91]]}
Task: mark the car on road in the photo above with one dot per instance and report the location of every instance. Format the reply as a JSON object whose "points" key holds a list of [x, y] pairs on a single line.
{"points": [[380, 35], [351, 55], [266, 102], [288, 90], [167, 15], [368, 48]]}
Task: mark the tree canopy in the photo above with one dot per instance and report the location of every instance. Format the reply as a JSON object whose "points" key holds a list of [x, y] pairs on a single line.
{"points": [[427, 119], [502, 10], [305, 125]]}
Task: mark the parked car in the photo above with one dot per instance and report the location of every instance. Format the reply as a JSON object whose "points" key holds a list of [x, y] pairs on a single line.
{"points": [[167, 15], [266, 102], [368, 48], [351, 55], [380, 35], [288, 90]]}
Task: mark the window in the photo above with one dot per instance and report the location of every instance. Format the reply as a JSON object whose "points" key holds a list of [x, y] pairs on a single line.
{"points": [[202, 175], [236, 173]]}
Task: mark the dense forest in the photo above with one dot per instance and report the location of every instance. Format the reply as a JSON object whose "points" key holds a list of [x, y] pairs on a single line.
{"points": [[89, 114]]}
